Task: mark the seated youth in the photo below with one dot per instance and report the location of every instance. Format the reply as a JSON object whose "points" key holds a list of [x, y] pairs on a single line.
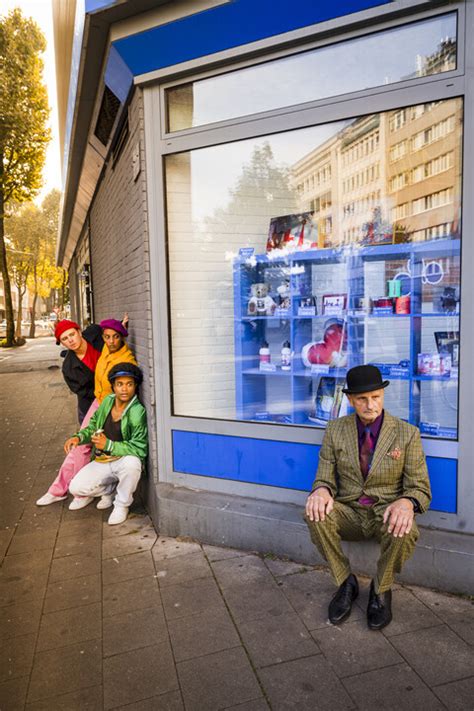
{"points": [[90, 356], [118, 431]]}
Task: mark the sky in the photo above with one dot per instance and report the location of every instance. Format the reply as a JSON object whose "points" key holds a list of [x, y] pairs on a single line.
{"points": [[41, 12]]}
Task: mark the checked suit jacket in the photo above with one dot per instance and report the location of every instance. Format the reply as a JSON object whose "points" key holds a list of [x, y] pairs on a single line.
{"points": [[398, 466]]}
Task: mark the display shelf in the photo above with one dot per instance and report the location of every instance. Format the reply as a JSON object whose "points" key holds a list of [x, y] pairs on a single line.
{"points": [[344, 272]]}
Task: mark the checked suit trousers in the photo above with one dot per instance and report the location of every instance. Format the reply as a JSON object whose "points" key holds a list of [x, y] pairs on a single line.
{"points": [[357, 523]]}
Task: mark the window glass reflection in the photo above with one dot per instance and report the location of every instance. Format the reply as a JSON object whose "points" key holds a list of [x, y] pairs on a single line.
{"points": [[296, 256], [429, 47]]}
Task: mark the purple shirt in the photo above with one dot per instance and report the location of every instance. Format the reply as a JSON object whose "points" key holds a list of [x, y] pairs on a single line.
{"points": [[374, 429]]}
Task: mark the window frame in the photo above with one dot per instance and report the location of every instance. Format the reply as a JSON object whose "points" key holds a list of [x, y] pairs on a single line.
{"points": [[159, 143]]}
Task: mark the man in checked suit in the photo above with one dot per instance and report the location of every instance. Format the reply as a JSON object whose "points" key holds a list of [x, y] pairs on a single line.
{"points": [[371, 480]]}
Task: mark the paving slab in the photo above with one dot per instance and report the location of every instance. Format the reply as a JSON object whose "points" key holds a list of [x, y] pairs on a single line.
{"points": [[191, 598], [305, 684], [217, 681], [132, 630], [272, 639], [457, 695], [89, 699], [20, 619], [73, 593], [449, 658], [16, 656], [13, 694], [83, 662], [126, 567], [391, 689], [138, 674], [69, 626], [171, 701], [352, 648], [202, 634], [183, 568], [128, 595]]}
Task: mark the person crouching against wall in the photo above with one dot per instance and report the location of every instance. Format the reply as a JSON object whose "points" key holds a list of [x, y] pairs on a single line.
{"points": [[118, 431]]}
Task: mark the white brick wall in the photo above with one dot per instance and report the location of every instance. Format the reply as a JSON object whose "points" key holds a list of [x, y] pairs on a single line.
{"points": [[120, 255]]}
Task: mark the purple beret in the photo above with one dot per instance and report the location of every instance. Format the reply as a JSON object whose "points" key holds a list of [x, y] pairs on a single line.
{"points": [[114, 325]]}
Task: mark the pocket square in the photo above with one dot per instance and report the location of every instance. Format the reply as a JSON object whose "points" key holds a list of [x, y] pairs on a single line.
{"points": [[395, 453]]}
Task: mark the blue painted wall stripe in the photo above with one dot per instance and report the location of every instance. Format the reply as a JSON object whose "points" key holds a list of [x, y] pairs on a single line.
{"points": [[226, 26], [288, 465]]}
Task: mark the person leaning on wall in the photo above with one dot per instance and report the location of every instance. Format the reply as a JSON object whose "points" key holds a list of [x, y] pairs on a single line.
{"points": [[85, 370], [118, 431], [371, 481]]}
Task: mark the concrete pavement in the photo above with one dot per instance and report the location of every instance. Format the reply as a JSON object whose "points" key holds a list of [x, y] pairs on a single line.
{"points": [[97, 617]]}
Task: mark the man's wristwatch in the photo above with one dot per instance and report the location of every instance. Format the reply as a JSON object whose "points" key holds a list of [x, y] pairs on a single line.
{"points": [[416, 505]]}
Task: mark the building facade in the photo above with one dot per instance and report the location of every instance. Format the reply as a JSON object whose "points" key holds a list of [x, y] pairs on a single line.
{"points": [[273, 203]]}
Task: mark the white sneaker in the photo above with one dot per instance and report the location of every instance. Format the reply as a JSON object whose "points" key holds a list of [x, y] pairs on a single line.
{"points": [[118, 515], [49, 499], [105, 502], [80, 502]]}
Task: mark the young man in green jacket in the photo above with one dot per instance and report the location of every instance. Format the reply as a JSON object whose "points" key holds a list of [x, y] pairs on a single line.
{"points": [[118, 431]]}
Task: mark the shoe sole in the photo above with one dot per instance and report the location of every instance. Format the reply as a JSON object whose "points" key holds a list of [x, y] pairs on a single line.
{"points": [[376, 628]]}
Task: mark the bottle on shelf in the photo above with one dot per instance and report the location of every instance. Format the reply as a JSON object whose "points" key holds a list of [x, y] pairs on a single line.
{"points": [[286, 356], [264, 354]]}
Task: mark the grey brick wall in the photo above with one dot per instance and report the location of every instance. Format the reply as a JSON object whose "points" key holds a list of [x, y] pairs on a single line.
{"points": [[120, 256]]}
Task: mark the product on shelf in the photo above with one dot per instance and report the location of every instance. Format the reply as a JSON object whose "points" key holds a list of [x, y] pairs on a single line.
{"points": [[260, 303], [329, 351]]}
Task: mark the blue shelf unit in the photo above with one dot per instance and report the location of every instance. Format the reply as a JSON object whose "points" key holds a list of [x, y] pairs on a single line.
{"points": [[288, 396]]}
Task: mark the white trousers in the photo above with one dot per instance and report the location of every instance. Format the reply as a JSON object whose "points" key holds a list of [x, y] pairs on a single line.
{"points": [[100, 478]]}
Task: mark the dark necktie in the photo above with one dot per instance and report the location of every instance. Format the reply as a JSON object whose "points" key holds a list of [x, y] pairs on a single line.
{"points": [[366, 452]]}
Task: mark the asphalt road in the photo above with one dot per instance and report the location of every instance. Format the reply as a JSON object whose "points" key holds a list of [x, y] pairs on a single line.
{"points": [[37, 354]]}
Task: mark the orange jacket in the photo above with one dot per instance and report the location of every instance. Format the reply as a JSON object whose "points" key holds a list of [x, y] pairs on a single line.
{"points": [[107, 360]]}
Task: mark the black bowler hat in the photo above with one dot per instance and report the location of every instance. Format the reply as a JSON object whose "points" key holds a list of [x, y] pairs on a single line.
{"points": [[364, 379]]}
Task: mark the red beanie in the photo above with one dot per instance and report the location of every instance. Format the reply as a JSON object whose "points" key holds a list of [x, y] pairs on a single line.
{"points": [[64, 325]]}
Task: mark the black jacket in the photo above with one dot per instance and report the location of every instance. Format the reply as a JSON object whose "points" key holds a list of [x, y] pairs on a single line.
{"points": [[79, 378]]}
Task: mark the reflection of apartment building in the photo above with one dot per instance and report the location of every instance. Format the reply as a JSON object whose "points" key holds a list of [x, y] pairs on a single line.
{"points": [[362, 175], [423, 154], [315, 179], [342, 181], [399, 170]]}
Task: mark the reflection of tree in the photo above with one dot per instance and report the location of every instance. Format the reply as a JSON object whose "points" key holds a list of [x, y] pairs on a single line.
{"points": [[262, 190]]}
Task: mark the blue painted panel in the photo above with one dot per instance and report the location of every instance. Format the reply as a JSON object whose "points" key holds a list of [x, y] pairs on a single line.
{"points": [[230, 25], [118, 76], [288, 465], [444, 483]]}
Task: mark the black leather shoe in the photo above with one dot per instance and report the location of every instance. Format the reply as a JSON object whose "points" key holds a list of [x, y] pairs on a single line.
{"points": [[379, 609], [341, 604]]}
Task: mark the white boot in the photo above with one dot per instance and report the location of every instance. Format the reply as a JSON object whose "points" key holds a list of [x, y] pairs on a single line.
{"points": [[105, 502], [118, 515], [49, 499], [80, 502]]}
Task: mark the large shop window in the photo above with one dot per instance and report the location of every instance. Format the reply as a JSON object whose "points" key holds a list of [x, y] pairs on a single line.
{"points": [[352, 65], [299, 255]]}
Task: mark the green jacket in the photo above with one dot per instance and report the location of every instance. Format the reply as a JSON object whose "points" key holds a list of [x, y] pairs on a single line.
{"points": [[133, 426], [398, 467]]}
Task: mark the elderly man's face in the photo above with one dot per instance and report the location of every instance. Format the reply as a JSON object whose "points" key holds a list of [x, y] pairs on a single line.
{"points": [[368, 405]]}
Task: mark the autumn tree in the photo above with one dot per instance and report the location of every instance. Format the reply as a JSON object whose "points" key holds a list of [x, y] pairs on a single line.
{"points": [[22, 226], [31, 244], [24, 134]]}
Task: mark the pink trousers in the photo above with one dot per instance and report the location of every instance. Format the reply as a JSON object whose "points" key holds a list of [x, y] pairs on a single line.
{"points": [[77, 458]]}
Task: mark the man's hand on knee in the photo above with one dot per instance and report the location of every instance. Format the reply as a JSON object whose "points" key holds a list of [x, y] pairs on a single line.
{"points": [[400, 516], [319, 504]]}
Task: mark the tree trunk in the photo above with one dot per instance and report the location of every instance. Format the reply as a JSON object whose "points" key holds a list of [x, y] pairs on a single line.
{"points": [[10, 337], [33, 306], [33, 316], [18, 333]]}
